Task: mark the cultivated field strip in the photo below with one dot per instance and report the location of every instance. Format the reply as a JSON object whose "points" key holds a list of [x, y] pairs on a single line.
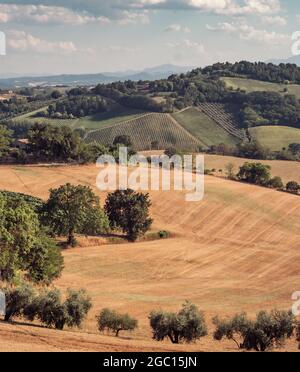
{"points": [[222, 117], [147, 131]]}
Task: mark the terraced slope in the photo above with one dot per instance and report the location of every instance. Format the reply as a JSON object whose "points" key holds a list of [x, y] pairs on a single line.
{"points": [[147, 131]]}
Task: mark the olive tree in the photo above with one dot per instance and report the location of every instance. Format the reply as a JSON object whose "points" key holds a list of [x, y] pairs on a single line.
{"points": [[17, 298], [110, 320], [50, 310], [188, 325], [267, 331]]}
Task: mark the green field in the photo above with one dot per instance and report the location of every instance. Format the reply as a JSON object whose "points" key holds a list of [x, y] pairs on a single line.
{"points": [[250, 85], [274, 137], [203, 128], [118, 115]]}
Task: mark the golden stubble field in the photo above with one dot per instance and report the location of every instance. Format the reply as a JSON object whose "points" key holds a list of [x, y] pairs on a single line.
{"points": [[237, 250]]}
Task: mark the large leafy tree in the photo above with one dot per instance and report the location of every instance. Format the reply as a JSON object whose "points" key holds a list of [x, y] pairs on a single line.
{"points": [[24, 245], [255, 173], [74, 209], [129, 211], [53, 143]]}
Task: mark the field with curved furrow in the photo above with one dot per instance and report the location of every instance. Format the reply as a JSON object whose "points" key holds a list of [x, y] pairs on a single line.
{"points": [[144, 131], [237, 250]]}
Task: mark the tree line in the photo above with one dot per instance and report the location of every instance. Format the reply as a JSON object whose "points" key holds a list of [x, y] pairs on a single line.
{"points": [[268, 331]]}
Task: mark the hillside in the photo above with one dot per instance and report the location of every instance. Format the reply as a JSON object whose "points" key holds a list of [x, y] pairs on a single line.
{"points": [[251, 85], [116, 115], [237, 250], [275, 138], [204, 128], [148, 131]]}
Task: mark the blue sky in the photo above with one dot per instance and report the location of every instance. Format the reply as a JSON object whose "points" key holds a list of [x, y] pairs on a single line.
{"points": [[64, 36]]}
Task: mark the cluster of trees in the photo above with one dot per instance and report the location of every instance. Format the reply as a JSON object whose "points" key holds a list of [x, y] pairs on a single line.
{"points": [[260, 174], [74, 210], [268, 108], [46, 306], [282, 73], [28, 227], [128, 98], [268, 331], [18, 105], [26, 245], [5, 140], [61, 144], [75, 106]]}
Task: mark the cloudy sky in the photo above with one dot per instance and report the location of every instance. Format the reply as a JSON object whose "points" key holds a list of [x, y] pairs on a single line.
{"points": [[73, 36]]}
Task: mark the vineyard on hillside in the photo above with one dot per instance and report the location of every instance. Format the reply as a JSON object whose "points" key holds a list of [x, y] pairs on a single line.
{"points": [[150, 131], [223, 117]]}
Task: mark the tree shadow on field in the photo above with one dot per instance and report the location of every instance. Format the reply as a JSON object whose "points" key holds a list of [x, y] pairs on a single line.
{"points": [[23, 324]]}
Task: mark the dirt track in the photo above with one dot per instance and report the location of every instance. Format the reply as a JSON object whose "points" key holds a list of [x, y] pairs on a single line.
{"points": [[238, 250]]}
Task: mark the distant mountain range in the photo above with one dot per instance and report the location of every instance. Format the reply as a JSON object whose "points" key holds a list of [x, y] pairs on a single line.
{"points": [[294, 60], [153, 73]]}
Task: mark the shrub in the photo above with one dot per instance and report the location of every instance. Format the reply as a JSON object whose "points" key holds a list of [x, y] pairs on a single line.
{"points": [[268, 331], [17, 298], [186, 326], [293, 187], [276, 183], [163, 234], [112, 321]]}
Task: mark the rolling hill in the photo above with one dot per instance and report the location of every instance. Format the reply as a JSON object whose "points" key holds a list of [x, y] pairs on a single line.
{"points": [[148, 131], [250, 85], [275, 138], [204, 128], [237, 250]]}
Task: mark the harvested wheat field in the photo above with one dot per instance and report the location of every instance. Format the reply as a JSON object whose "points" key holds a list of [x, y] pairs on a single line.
{"points": [[237, 250]]}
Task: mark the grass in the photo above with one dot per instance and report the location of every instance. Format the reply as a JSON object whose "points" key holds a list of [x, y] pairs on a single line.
{"points": [[275, 137], [250, 85], [203, 128], [117, 115]]}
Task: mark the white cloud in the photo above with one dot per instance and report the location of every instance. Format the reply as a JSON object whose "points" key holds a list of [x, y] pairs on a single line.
{"points": [[177, 28], [46, 15], [251, 33], [126, 11], [187, 44], [274, 20], [22, 41]]}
